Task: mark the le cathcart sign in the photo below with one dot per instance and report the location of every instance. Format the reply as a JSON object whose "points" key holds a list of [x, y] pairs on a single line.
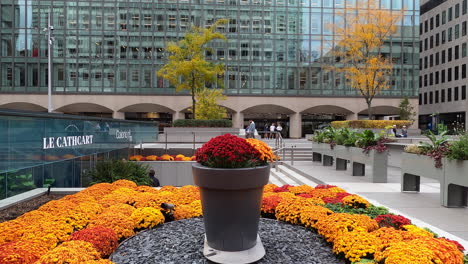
{"points": [[66, 141]]}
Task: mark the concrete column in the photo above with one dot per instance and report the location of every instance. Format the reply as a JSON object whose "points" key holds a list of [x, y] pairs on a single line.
{"points": [[353, 116], [295, 125], [118, 115], [238, 120], [466, 120], [178, 115]]}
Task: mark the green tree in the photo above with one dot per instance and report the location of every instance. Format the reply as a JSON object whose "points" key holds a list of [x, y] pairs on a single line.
{"points": [[187, 68], [207, 104], [406, 110]]}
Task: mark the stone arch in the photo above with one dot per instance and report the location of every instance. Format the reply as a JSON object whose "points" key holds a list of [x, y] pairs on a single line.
{"points": [[84, 108], [382, 110], [267, 111], [146, 107], [327, 109], [24, 106]]}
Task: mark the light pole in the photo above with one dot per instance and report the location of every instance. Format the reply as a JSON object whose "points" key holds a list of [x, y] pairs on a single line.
{"points": [[50, 40]]}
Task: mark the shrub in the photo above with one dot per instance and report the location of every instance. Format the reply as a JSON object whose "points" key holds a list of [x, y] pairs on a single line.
{"points": [[380, 124], [458, 150], [113, 170], [202, 123]]}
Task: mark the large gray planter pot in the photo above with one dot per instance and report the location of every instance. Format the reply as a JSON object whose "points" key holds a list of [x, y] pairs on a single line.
{"points": [[231, 201], [377, 160]]}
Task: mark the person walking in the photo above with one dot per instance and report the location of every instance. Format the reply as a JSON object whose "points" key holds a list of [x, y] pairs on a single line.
{"points": [[279, 128], [272, 130], [265, 131], [250, 133]]}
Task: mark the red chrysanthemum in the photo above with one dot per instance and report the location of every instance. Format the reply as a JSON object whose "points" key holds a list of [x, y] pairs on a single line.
{"points": [[229, 151]]}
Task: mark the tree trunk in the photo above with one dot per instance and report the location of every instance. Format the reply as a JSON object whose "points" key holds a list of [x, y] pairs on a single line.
{"points": [[193, 103], [369, 109]]}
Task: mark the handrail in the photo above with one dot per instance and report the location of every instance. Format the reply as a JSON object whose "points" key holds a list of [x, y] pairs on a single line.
{"points": [[276, 160]]}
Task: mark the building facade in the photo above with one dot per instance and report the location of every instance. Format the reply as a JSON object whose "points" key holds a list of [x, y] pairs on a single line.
{"points": [[108, 49], [443, 60]]}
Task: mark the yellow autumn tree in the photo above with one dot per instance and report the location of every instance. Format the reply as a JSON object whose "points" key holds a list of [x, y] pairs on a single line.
{"points": [[207, 104], [364, 30], [187, 68]]}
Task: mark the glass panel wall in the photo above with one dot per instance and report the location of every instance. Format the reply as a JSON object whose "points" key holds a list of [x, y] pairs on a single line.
{"points": [[117, 46], [36, 147]]}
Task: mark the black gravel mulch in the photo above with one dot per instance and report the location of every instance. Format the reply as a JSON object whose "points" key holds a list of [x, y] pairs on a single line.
{"points": [[182, 242]]}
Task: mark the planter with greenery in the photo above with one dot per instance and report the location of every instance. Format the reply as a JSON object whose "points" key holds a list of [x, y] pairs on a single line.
{"points": [[360, 148], [440, 159], [456, 173]]}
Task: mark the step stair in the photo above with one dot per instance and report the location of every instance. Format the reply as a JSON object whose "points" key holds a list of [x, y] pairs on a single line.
{"points": [[300, 154], [285, 174]]}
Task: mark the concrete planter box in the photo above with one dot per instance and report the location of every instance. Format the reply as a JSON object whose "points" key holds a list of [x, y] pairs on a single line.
{"points": [[197, 134], [342, 155], [377, 160], [414, 166], [175, 173], [455, 183], [323, 153]]}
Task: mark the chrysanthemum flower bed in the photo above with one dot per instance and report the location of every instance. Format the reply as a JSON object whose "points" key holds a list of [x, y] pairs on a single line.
{"points": [[164, 157], [86, 227]]}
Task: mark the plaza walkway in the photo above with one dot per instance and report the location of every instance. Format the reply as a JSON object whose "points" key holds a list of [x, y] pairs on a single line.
{"points": [[422, 208]]}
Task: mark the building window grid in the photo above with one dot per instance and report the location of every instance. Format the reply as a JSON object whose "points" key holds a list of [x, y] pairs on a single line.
{"points": [[109, 19]]}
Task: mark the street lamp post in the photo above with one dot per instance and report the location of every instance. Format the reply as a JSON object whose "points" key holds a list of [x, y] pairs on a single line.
{"points": [[50, 40]]}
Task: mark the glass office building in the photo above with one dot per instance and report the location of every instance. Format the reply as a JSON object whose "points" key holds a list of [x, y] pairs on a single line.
{"points": [[274, 47]]}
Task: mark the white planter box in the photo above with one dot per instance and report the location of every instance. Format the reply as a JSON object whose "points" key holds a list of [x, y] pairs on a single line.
{"points": [[414, 166], [377, 160], [455, 183], [175, 173], [322, 152]]}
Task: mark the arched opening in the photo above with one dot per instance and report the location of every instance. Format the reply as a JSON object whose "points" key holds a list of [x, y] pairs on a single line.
{"points": [[321, 116], [266, 115], [149, 112], [381, 112], [24, 106], [86, 109]]}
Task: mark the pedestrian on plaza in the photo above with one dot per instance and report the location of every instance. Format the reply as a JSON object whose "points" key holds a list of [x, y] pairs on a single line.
{"points": [[279, 128], [154, 180], [394, 131], [265, 131], [404, 132], [272, 130], [250, 132]]}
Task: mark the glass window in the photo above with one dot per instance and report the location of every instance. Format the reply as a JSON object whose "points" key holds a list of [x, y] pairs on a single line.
{"points": [[437, 20], [457, 31], [449, 55], [457, 52], [457, 10], [449, 94], [456, 72], [449, 34], [463, 71], [436, 97], [455, 91], [443, 36], [450, 13], [463, 92], [464, 28], [442, 96], [444, 17], [431, 23], [449, 75], [464, 50], [464, 6]]}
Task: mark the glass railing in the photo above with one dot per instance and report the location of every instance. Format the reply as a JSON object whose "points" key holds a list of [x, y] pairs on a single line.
{"points": [[37, 148]]}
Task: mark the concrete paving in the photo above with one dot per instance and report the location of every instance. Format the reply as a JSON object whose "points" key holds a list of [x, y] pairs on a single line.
{"points": [[422, 208]]}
